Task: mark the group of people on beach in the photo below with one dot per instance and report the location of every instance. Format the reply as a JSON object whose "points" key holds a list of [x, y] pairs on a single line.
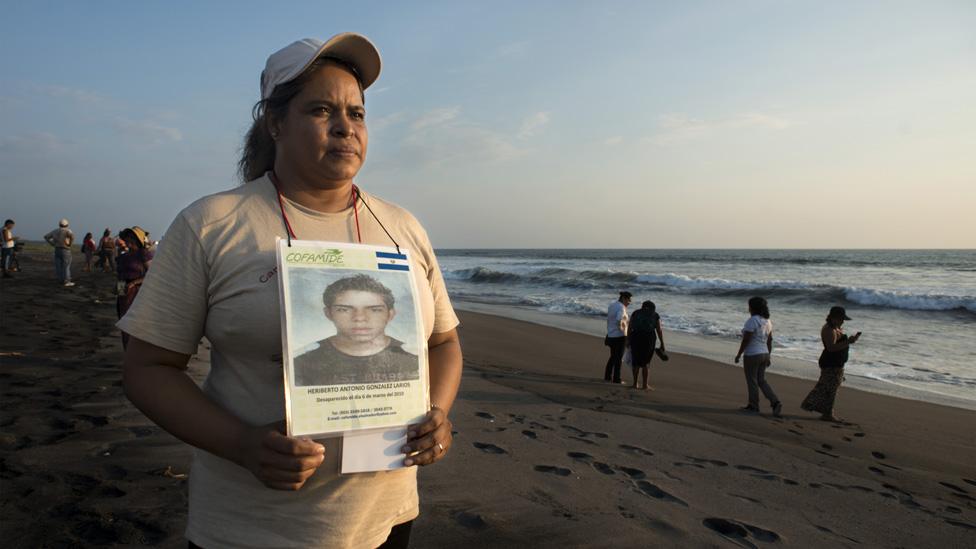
{"points": [[127, 254], [638, 333]]}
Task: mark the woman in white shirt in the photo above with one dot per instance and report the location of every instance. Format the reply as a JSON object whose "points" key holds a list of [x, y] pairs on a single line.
{"points": [[214, 275], [757, 344]]}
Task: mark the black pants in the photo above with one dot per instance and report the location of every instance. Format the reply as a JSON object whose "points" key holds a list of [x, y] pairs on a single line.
{"points": [[616, 344], [399, 538]]}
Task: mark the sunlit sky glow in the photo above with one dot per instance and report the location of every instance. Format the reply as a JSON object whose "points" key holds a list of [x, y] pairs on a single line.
{"points": [[523, 124]]}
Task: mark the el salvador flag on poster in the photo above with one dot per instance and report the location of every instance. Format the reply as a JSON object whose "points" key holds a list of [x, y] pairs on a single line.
{"points": [[387, 261]]}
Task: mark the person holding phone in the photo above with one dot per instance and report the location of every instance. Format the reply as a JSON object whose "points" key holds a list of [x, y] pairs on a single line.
{"points": [[832, 360]]}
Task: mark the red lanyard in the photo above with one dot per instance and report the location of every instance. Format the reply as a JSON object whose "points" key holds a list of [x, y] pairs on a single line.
{"points": [[281, 206]]}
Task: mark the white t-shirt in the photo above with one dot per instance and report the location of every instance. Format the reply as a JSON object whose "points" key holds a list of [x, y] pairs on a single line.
{"points": [[214, 275], [615, 313], [760, 328]]}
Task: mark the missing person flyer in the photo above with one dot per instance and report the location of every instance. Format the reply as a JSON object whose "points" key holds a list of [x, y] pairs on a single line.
{"points": [[352, 338]]}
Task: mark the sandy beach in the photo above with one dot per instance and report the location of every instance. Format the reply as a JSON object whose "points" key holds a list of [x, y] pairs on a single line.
{"points": [[546, 454]]}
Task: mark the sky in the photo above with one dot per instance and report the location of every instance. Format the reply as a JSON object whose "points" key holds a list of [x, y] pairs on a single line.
{"points": [[565, 124]]}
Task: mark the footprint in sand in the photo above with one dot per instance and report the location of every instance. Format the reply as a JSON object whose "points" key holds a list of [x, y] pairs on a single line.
{"points": [[583, 440], [603, 468], [530, 434], [485, 415], [876, 471], [636, 474], [685, 464], [969, 481], [953, 487], [583, 433], [952, 509], [826, 447], [826, 453], [961, 524], [750, 469], [850, 487], [552, 469], [798, 433], [704, 461], [636, 449], [740, 531], [489, 448], [848, 439], [878, 455], [829, 531], [470, 520], [747, 498], [582, 456], [655, 492], [859, 435]]}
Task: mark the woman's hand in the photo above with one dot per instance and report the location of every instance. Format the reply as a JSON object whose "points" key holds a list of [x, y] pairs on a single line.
{"points": [[280, 462], [431, 439]]}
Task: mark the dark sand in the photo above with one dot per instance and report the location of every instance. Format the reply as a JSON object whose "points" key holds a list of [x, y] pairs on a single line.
{"points": [[546, 454]]}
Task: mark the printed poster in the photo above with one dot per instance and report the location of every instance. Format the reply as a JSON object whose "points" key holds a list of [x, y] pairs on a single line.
{"points": [[352, 338]]}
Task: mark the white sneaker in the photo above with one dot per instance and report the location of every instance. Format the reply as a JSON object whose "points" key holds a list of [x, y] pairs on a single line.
{"points": [[68, 284]]}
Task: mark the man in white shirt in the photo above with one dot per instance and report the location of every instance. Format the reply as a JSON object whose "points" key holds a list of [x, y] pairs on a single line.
{"points": [[616, 336], [62, 238]]}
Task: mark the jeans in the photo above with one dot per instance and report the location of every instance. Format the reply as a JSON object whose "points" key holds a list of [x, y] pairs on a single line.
{"points": [[755, 370], [612, 371], [62, 264], [5, 255]]}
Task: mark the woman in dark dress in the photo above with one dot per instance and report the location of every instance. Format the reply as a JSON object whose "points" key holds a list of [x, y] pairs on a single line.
{"points": [[645, 330], [832, 359]]}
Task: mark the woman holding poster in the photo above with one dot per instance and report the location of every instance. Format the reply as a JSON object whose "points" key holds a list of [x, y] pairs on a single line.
{"points": [[215, 276]]}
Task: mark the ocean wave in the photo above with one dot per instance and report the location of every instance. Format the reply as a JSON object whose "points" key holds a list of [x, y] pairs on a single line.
{"points": [[609, 280], [954, 260], [909, 301]]}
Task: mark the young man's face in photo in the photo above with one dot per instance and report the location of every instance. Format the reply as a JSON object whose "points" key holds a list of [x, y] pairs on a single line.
{"points": [[359, 316]]}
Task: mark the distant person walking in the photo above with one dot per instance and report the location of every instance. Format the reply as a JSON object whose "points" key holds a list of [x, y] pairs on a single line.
{"points": [[62, 238], [106, 252], [7, 244], [616, 336], [643, 334], [88, 248], [832, 360], [757, 345]]}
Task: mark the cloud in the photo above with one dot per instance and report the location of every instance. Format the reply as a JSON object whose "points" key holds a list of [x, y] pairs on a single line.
{"points": [[512, 49], [442, 136], [615, 140], [532, 124], [436, 117], [151, 131], [74, 94], [32, 144], [383, 122], [681, 127]]}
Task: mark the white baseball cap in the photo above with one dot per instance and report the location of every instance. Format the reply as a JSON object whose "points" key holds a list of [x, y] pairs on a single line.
{"points": [[63, 223], [287, 63]]}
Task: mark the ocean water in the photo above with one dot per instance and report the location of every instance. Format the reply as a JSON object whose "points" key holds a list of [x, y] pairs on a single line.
{"points": [[917, 308]]}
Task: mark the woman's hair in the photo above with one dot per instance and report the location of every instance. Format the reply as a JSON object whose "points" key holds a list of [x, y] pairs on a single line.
{"points": [[759, 306], [649, 305], [108, 232], [258, 154], [87, 236]]}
